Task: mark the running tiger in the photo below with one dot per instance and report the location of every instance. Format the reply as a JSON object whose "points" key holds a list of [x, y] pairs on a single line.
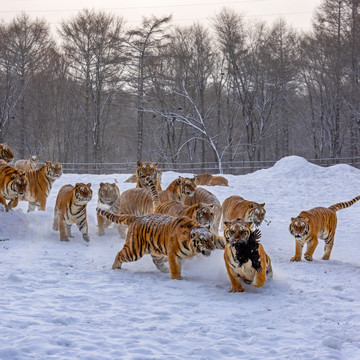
{"points": [[165, 238], [310, 225], [237, 207], [245, 258], [27, 165], [109, 198], [70, 208], [40, 182], [5, 153], [13, 184], [211, 180], [148, 169]]}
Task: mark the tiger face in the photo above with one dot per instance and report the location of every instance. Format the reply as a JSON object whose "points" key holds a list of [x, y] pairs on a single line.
{"points": [[108, 193], [256, 213], [187, 186], [204, 214], [5, 153], [237, 231], [145, 170], [202, 240], [53, 169], [82, 193], [299, 227], [19, 183]]}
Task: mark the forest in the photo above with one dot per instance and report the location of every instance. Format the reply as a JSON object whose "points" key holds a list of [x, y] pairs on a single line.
{"points": [[230, 97]]}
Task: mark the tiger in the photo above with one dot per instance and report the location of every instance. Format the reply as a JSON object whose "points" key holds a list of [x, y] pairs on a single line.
{"points": [[40, 182], [237, 207], [202, 213], [5, 153], [211, 180], [70, 208], [245, 258], [179, 189], [109, 197], [133, 178], [148, 169], [165, 238], [27, 165], [13, 184], [317, 222], [202, 195]]}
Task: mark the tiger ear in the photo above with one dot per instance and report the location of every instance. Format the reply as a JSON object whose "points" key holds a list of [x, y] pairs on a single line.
{"points": [[77, 184], [307, 219], [89, 184], [251, 206], [13, 176], [226, 222], [102, 184], [292, 219], [139, 163], [178, 180], [263, 204], [212, 206]]}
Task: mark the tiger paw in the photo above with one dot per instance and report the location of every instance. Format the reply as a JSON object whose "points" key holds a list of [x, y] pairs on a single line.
{"points": [[236, 289], [308, 257], [295, 258], [65, 239], [86, 237]]}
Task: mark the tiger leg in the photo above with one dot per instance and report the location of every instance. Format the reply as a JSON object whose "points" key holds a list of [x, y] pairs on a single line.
{"points": [[260, 277], [235, 282], [159, 262], [13, 203], [311, 246], [298, 251], [175, 266], [101, 228], [329, 243], [83, 228], [55, 221], [41, 202], [62, 228], [3, 201], [126, 254]]}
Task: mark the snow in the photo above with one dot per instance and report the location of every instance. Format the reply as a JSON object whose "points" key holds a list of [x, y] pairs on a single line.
{"points": [[62, 300]]}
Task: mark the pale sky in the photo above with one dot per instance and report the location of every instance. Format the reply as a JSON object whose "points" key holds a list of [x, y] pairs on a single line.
{"points": [[297, 13]]}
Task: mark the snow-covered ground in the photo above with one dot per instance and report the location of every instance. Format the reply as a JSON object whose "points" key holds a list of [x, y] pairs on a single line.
{"points": [[62, 300]]}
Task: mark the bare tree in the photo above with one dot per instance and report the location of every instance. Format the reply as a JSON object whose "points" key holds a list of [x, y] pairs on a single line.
{"points": [[93, 47], [143, 43], [28, 44]]}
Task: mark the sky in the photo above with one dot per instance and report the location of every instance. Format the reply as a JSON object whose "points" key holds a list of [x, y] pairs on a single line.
{"points": [[185, 12]]}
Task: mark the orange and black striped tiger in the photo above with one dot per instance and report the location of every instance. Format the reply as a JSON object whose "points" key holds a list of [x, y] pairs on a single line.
{"points": [[211, 180], [13, 184], [109, 199], [145, 170], [70, 208], [245, 258], [237, 207], [40, 182], [310, 225], [5, 153], [179, 189], [201, 195], [164, 238]]}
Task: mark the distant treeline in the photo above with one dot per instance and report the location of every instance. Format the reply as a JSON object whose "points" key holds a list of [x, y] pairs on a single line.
{"points": [[235, 91]]}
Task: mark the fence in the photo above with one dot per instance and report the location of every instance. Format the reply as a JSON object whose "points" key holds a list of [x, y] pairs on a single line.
{"points": [[235, 167]]}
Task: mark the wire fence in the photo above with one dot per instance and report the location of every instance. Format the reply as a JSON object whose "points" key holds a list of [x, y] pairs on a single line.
{"points": [[234, 168]]}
